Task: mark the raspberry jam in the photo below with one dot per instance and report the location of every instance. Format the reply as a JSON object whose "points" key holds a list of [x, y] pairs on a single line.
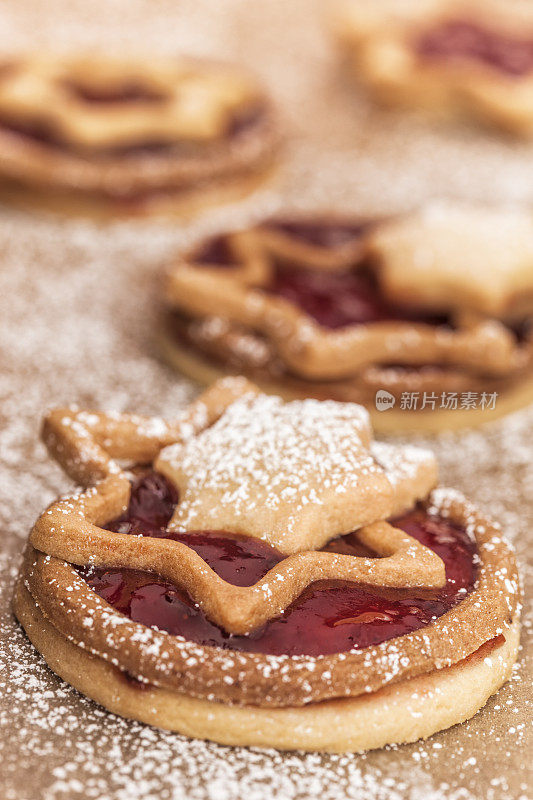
{"points": [[338, 299], [239, 559], [328, 617], [463, 39]]}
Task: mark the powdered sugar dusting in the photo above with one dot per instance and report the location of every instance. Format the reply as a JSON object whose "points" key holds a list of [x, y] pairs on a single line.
{"points": [[401, 463]]}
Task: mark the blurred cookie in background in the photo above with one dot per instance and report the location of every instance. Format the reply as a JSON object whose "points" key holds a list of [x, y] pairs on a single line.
{"points": [[424, 318], [455, 57], [131, 136]]}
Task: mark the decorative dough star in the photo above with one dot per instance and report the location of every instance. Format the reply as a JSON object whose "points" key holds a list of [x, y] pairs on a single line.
{"points": [[458, 256], [294, 474]]}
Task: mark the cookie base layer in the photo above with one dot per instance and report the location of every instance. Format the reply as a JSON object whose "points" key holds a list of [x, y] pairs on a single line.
{"points": [[401, 713], [204, 372], [184, 204]]}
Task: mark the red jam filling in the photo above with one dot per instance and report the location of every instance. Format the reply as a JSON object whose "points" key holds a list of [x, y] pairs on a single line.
{"points": [[328, 617], [239, 559], [339, 299], [464, 39]]}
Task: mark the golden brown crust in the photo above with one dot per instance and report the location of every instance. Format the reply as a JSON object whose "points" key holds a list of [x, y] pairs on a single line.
{"points": [[69, 530], [86, 158], [236, 350], [403, 563], [163, 101], [379, 42], [293, 474], [402, 712]]}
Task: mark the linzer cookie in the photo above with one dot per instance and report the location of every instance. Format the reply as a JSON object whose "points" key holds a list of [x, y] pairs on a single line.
{"points": [[454, 57], [261, 572], [424, 318], [131, 136]]}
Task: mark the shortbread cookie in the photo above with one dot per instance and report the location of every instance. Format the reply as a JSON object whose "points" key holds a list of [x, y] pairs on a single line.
{"points": [[471, 57], [131, 136]]}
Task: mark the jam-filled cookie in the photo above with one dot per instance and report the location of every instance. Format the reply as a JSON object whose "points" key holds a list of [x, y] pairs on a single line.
{"points": [[466, 57], [264, 573], [430, 310], [131, 136]]}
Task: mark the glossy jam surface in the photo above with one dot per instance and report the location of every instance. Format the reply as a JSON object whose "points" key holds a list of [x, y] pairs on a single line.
{"points": [[329, 617], [240, 560], [464, 39], [339, 299]]}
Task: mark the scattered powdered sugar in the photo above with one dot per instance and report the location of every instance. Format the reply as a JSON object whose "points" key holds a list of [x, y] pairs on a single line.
{"points": [[77, 309], [401, 463]]}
